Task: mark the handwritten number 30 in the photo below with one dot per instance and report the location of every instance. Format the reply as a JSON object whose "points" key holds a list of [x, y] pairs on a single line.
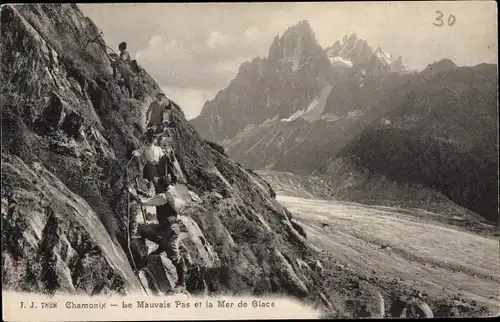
{"points": [[439, 22]]}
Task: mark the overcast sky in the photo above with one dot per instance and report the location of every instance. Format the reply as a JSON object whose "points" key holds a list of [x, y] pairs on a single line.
{"points": [[194, 50]]}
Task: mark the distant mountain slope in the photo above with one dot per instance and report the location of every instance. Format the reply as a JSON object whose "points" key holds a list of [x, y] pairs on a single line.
{"points": [[442, 136]]}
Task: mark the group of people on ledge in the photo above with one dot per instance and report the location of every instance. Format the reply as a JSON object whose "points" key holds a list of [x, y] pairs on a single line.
{"points": [[158, 114], [157, 171]]}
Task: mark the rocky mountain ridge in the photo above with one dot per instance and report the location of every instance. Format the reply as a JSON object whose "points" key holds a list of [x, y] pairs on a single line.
{"points": [[353, 51], [291, 83]]}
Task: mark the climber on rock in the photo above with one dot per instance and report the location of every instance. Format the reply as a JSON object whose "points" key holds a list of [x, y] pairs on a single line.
{"points": [[158, 159], [122, 63], [166, 233], [124, 57], [159, 114]]}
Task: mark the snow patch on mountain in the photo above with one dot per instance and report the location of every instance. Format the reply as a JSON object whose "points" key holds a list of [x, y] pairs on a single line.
{"points": [[317, 106], [354, 114], [294, 116], [342, 61], [268, 101], [330, 117], [271, 120], [354, 51]]}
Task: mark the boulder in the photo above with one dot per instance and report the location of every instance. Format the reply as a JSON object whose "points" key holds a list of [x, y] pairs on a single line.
{"points": [[410, 307]]}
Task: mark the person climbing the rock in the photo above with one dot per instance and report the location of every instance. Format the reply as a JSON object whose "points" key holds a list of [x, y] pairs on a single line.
{"points": [[159, 113], [124, 57], [166, 233], [166, 144], [122, 63], [167, 114]]}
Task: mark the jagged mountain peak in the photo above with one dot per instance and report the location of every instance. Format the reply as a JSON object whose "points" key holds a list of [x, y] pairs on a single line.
{"points": [[303, 27], [351, 50], [351, 37], [383, 55], [381, 51], [300, 30], [294, 58], [355, 51], [397, 66], [297, 44]]}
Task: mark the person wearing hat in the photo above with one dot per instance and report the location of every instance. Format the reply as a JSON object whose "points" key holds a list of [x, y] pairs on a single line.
{"points": [[159, 113], [165, 233]]}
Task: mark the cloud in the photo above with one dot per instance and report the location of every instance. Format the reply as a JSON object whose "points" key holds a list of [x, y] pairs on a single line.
{"points": [[210, 64], [158, 40], [251, 33], [217, 39], [191, 100]]}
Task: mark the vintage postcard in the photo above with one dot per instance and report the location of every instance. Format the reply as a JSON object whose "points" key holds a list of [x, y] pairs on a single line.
{"points": [[219, 161]]}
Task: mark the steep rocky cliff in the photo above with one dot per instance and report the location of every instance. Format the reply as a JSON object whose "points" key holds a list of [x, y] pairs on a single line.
{"points": [[68, 132]]}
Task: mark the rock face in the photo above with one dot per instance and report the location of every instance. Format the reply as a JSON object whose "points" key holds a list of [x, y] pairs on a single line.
{"points": [[366, 98], [68, 134], [54, 240]]}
